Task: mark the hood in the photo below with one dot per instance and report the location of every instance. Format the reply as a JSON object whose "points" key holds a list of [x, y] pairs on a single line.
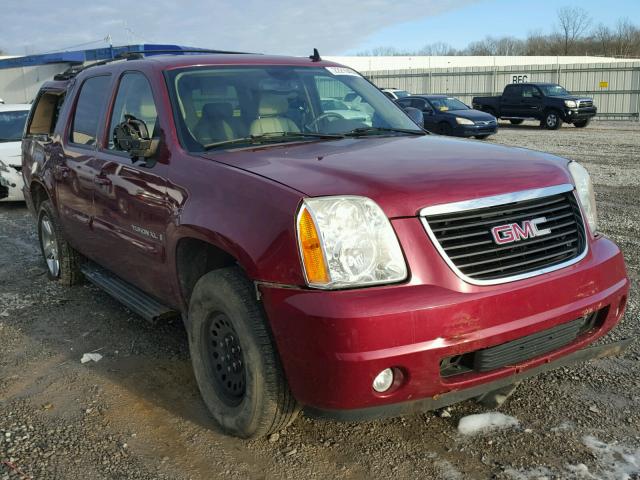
{"points": [[571, 97], [11, 153], [475, 115], [403, 173]]}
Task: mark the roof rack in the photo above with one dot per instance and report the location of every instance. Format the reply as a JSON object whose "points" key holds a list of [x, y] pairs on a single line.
{"points": [[71, 72]]}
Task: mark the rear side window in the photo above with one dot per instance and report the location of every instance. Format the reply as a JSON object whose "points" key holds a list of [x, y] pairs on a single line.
{"points": [[46, 112], [89, 110], [512, 91]]}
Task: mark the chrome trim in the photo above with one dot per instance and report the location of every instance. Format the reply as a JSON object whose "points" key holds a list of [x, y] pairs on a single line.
{"points": [[485, 202]]}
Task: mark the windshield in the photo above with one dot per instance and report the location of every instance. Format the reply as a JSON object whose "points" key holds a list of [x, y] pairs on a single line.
{"points": [[446, 104], [401, 93], [12, 124], [553, 90], [216, 106]]}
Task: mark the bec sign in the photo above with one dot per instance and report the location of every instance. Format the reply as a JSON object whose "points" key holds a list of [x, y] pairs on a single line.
{"points": [[520, 79]]}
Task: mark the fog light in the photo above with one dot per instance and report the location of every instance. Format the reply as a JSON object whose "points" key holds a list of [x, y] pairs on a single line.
{"points": [[383, 380]]}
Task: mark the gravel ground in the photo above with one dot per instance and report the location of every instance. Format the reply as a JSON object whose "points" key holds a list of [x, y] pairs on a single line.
{"points": [[137, 413]]}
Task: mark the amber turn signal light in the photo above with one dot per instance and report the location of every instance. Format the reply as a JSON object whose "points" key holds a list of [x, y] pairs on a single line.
{"points": [[311, 250]]}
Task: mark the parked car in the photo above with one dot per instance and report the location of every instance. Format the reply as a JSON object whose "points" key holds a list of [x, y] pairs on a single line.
{"points": [[12, 121], [549, 103], [449, 116], [341, 109], [358, 271], [395, 93]]}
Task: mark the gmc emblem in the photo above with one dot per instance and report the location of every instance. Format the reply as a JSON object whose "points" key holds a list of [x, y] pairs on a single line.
{"points": [[513, 232]]}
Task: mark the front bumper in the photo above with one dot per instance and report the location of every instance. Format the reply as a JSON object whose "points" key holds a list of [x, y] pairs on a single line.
{"points": [[578, 114], [11, 183], [475, 130], [333, 343]]}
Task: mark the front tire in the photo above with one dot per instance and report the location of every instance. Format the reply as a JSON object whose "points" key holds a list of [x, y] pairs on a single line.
{"points": [[234, 358], [444, 129], [552, 120], [62, 260], [582, 123]]}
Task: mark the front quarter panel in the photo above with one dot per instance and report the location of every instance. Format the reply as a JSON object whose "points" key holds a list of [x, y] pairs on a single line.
{"points": [[249, 217]]}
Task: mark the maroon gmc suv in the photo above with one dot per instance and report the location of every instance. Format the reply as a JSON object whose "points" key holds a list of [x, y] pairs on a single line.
{"points": [[340, 260]]}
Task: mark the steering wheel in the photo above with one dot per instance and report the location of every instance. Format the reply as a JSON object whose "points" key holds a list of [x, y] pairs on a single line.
{"points": [[324, 116]]}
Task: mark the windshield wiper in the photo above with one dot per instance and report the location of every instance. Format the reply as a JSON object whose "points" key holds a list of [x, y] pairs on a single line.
{"points": [[271, 136], [362, 131]]}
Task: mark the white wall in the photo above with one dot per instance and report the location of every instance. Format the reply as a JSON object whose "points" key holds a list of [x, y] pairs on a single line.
{"points": [[366, 64]]}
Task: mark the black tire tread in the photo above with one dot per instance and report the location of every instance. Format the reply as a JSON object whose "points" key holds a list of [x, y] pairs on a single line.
{"points": [[280, 408], [70, 259]]}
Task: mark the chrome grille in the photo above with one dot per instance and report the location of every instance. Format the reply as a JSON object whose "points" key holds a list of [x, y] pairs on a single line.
{"points": [[465, 241], [585, 103]]}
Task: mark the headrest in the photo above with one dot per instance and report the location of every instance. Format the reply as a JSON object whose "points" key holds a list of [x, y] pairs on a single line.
{"points": [[272, 104], [219, 109]]}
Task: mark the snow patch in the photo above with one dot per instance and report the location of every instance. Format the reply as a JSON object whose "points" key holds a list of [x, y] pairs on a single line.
{"points": [[88, 357], [615, 462], [539, 473], [482, 422]]}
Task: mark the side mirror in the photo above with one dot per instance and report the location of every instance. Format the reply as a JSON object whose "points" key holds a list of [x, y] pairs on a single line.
{"points": [[415, 115], [132, 136]]}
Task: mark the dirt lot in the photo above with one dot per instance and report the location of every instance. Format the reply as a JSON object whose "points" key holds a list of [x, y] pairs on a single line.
{"points": [[137, 412]]}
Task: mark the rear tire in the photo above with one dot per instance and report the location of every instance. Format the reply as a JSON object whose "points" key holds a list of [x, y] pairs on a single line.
{"points": [[234, 358], [516, 121], [582, 123], [552, 120], [62, 260]]}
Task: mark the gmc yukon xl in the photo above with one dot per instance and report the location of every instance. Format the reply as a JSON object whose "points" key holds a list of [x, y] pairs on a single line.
{"points": [[549, 103], [356, 267]]}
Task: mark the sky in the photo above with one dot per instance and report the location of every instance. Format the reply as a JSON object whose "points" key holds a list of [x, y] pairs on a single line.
{"points": [[282, 26]]}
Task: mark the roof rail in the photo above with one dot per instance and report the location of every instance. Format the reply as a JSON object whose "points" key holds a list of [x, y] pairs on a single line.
{"points": [[136, 55]]}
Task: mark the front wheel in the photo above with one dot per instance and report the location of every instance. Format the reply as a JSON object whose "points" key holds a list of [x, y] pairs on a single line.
{"points": [[63, 262], [444, 128], [234, 358], [552, 120], [582, 123]]}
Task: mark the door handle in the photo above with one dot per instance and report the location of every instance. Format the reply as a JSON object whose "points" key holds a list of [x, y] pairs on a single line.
{"points": [[100, 180]]}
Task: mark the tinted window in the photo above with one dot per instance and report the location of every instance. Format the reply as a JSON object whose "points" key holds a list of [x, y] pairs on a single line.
{"points": [[134, 98], [512, 91], [12, 124], [89, 110]]}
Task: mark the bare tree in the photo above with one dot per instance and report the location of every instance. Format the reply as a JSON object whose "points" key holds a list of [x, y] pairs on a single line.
{"points": [[573, 23], [603, 38], [437, 49]]}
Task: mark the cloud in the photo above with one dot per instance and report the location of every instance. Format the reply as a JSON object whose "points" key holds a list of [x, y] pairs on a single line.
{"points": [[275, 26]]}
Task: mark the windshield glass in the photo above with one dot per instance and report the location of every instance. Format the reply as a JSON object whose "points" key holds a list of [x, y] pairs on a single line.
{"points": [[446, 104], [217, 105], [553, 90], [401, 93], [11, 125]]}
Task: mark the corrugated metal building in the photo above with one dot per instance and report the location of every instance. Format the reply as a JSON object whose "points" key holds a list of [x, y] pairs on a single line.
{"points": [[614, 86]]}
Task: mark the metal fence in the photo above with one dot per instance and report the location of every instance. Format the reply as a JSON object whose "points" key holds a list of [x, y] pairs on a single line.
{"points": [[615, 87]]}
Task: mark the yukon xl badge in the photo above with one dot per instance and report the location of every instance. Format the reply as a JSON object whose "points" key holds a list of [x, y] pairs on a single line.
{"points": [[514, 232]]}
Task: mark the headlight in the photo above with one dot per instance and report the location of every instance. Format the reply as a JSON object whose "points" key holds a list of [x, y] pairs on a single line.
{"points": [[347, 241], [587, 197], [464, 121], [570, 103]]}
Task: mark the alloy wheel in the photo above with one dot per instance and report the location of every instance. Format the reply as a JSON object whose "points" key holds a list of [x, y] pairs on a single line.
{"points": [[49, 246]]}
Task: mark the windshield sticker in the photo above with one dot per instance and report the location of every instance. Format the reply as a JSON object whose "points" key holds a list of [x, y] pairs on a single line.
{"points": [[342, 71]]}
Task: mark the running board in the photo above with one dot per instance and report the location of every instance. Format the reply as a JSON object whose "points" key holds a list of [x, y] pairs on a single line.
{"points": [[131, 297]]}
